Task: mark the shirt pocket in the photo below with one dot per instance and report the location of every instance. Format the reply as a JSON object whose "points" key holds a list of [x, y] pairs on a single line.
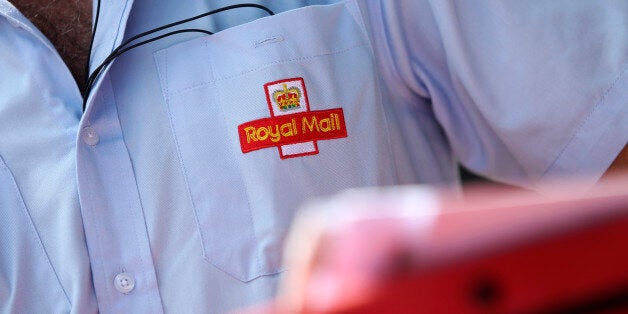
{"points": [[26, 273], [267, 115]]}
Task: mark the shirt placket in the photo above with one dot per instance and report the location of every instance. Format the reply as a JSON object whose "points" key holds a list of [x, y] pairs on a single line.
{"points": [[115, 229]]}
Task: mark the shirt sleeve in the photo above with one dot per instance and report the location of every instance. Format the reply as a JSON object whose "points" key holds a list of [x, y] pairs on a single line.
{"points": [[524, 90]]}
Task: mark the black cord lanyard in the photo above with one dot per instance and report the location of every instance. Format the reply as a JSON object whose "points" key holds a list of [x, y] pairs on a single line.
{"points": [[122, 48]]}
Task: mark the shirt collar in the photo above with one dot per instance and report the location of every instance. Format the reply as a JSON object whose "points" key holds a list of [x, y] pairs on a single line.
{"points": [[15, 18], [112, 22]]}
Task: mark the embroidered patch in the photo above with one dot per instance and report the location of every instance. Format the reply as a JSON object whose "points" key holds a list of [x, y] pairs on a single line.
{"points": [[292, 127]]}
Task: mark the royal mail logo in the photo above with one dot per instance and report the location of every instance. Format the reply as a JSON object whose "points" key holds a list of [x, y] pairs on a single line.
{"points": [[292, 127]]}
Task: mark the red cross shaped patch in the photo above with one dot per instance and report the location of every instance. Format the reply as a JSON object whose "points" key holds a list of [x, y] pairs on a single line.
{"points": [[292, 127]]}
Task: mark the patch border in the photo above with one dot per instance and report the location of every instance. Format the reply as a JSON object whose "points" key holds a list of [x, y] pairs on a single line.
{"points": [[301, 82]]}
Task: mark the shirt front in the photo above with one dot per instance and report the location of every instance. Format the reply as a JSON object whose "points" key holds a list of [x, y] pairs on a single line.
{"points": [[44, 264], [201, 217], [195, 150]]}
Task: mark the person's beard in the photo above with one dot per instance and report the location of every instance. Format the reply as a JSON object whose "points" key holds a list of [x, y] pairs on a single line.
{"points": [[67, 24]]}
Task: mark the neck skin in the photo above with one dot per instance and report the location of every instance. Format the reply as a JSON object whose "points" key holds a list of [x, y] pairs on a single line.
{"points": [[67, 24]]}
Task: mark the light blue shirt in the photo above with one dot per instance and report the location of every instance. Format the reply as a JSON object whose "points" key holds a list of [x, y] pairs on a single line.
{"points": [[169, 193]]}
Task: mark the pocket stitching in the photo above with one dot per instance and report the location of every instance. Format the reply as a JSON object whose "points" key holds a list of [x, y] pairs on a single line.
{"points": [[183, 90], [260, 269], [164, 83]]}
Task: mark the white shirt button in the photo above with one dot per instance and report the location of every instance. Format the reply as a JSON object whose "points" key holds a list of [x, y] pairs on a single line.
{"points": [[124, 282], [89, 135]]}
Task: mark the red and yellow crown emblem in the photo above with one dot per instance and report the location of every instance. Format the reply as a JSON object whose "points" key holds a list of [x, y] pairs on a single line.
{"points": [[287, 98]]}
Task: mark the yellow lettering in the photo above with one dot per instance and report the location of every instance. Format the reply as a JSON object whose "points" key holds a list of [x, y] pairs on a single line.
{"points": [[286, 129], [337, 122], [294, 126], [325, 126], [310, 126], [250, 134], [262, 136], [274, 135]]}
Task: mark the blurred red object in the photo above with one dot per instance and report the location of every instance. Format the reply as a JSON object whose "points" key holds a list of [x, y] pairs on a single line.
{"points": [[418, 250]]}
